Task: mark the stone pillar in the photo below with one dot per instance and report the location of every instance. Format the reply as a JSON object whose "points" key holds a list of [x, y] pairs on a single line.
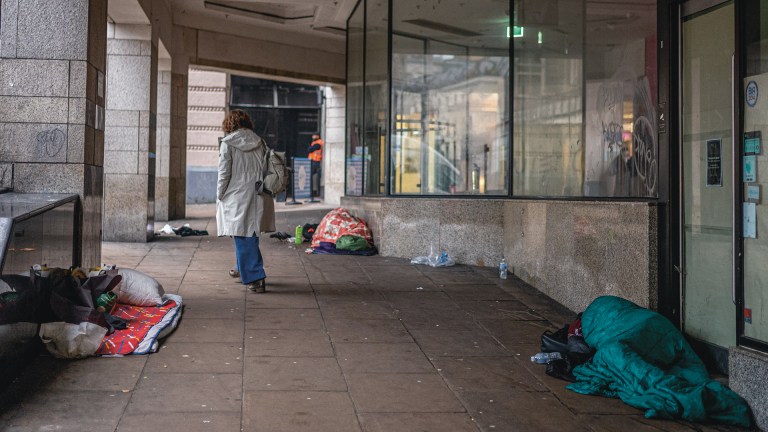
{"points": [[334, 136], [129, 160], [52, 64], [177, 172], [162, 180]]}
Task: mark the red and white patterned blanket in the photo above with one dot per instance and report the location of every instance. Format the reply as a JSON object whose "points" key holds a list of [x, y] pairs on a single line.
{"points": [[144, 326], [339, 222]]}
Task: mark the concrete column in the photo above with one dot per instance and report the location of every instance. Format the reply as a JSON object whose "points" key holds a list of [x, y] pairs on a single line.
{"points": [[129, 163], [333, 157], [162, 177], [177, 172], [52, 64]]}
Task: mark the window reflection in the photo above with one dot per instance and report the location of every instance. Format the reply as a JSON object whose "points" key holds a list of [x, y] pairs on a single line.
{"points": [[584, 98], [449, 98], [355, 59]]}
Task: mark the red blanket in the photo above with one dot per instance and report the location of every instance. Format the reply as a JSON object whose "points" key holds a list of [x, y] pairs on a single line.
{"points": [[140, 321], [339, 222]]}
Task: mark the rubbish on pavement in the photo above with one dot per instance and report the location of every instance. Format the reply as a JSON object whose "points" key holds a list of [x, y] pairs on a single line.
{"points": [[280, 235], [434, 259], [183, 231], [546, 357], [71, 341]]}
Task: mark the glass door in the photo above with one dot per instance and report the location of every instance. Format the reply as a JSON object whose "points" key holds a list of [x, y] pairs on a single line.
{"points": [[754, 316], [708, 41]]}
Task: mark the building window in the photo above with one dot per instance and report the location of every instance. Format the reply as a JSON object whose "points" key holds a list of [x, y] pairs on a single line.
{"points": [[355, 73], [585, 93], [575, 115], [450, 87]]}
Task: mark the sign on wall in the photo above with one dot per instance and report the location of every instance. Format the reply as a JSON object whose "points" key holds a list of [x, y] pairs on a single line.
{"points": [[714, 163]]}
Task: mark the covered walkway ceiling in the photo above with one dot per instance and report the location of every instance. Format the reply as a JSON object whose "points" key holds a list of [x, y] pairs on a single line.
{"points": [[286, 21]]}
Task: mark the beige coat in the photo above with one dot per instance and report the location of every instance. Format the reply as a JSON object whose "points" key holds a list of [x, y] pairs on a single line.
{"points": [[240, 211]]}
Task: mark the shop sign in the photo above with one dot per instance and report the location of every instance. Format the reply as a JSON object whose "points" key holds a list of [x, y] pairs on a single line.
{"points": [[714, 163], [752, 144]]}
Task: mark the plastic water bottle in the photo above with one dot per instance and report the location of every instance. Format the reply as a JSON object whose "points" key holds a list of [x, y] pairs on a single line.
{"points": [[542, 357], [503, 266], [299, 238]]}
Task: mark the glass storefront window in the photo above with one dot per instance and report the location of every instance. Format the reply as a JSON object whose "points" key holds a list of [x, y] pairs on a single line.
{"points": [[450, 86], [584, 98], [355, 72], [376, 84], [574, 117], [755, 109]]}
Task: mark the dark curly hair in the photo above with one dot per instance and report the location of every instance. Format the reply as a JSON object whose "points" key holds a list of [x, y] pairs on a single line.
{"points": [[236, 119]]}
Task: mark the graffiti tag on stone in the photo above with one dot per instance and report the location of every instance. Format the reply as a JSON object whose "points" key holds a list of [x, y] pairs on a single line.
{"points": [[51, 141]]}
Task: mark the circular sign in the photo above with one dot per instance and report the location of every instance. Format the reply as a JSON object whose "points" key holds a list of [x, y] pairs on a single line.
{"points": [[751, 94]]}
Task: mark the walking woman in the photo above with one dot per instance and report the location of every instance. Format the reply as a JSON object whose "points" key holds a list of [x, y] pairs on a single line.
{"points": [[242, 211]]}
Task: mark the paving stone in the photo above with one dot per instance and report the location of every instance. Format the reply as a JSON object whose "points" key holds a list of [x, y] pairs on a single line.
{"points": [[299, 412], [516, 332], [475, 292], [496, 309], [487, 373], [276, 319], [222, 291], [184, 421], [368, 331], [162, 271], [346, 292], [164, 392], [401, 393], [417, 422], [395, 284], [281, 300], [457, 278], [612, 423], [193, 357], [340, 275], [207, 330], [435, 319], [457, 343], [277, 283], [196, 308], [382, 358], [420, 300], [93, 374], [287, 343], [205, 276], [514, 410], [53, 410], [357, 310], [583, 404], [293, 373]]}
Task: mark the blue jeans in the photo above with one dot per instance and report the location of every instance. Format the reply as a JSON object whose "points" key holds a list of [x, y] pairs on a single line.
{"points": [[250, 264]]}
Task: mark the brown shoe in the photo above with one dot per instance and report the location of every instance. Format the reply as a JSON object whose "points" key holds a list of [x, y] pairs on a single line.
{"points": [[258, 286], [234, 273]]}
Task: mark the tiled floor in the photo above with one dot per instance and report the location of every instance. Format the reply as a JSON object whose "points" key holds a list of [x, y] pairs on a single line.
{"points": [[337, 344]]}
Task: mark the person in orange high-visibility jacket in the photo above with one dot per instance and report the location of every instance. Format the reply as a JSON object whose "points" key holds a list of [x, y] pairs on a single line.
{"points": [[316, 160]]}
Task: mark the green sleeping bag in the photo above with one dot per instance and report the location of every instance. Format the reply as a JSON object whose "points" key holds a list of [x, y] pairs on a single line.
{"points": [[644, 360]]}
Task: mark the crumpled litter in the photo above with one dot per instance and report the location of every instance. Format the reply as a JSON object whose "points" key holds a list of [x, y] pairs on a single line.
{"points": [[183, 231], [434, 260], [280, 235], [167, 229]]}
